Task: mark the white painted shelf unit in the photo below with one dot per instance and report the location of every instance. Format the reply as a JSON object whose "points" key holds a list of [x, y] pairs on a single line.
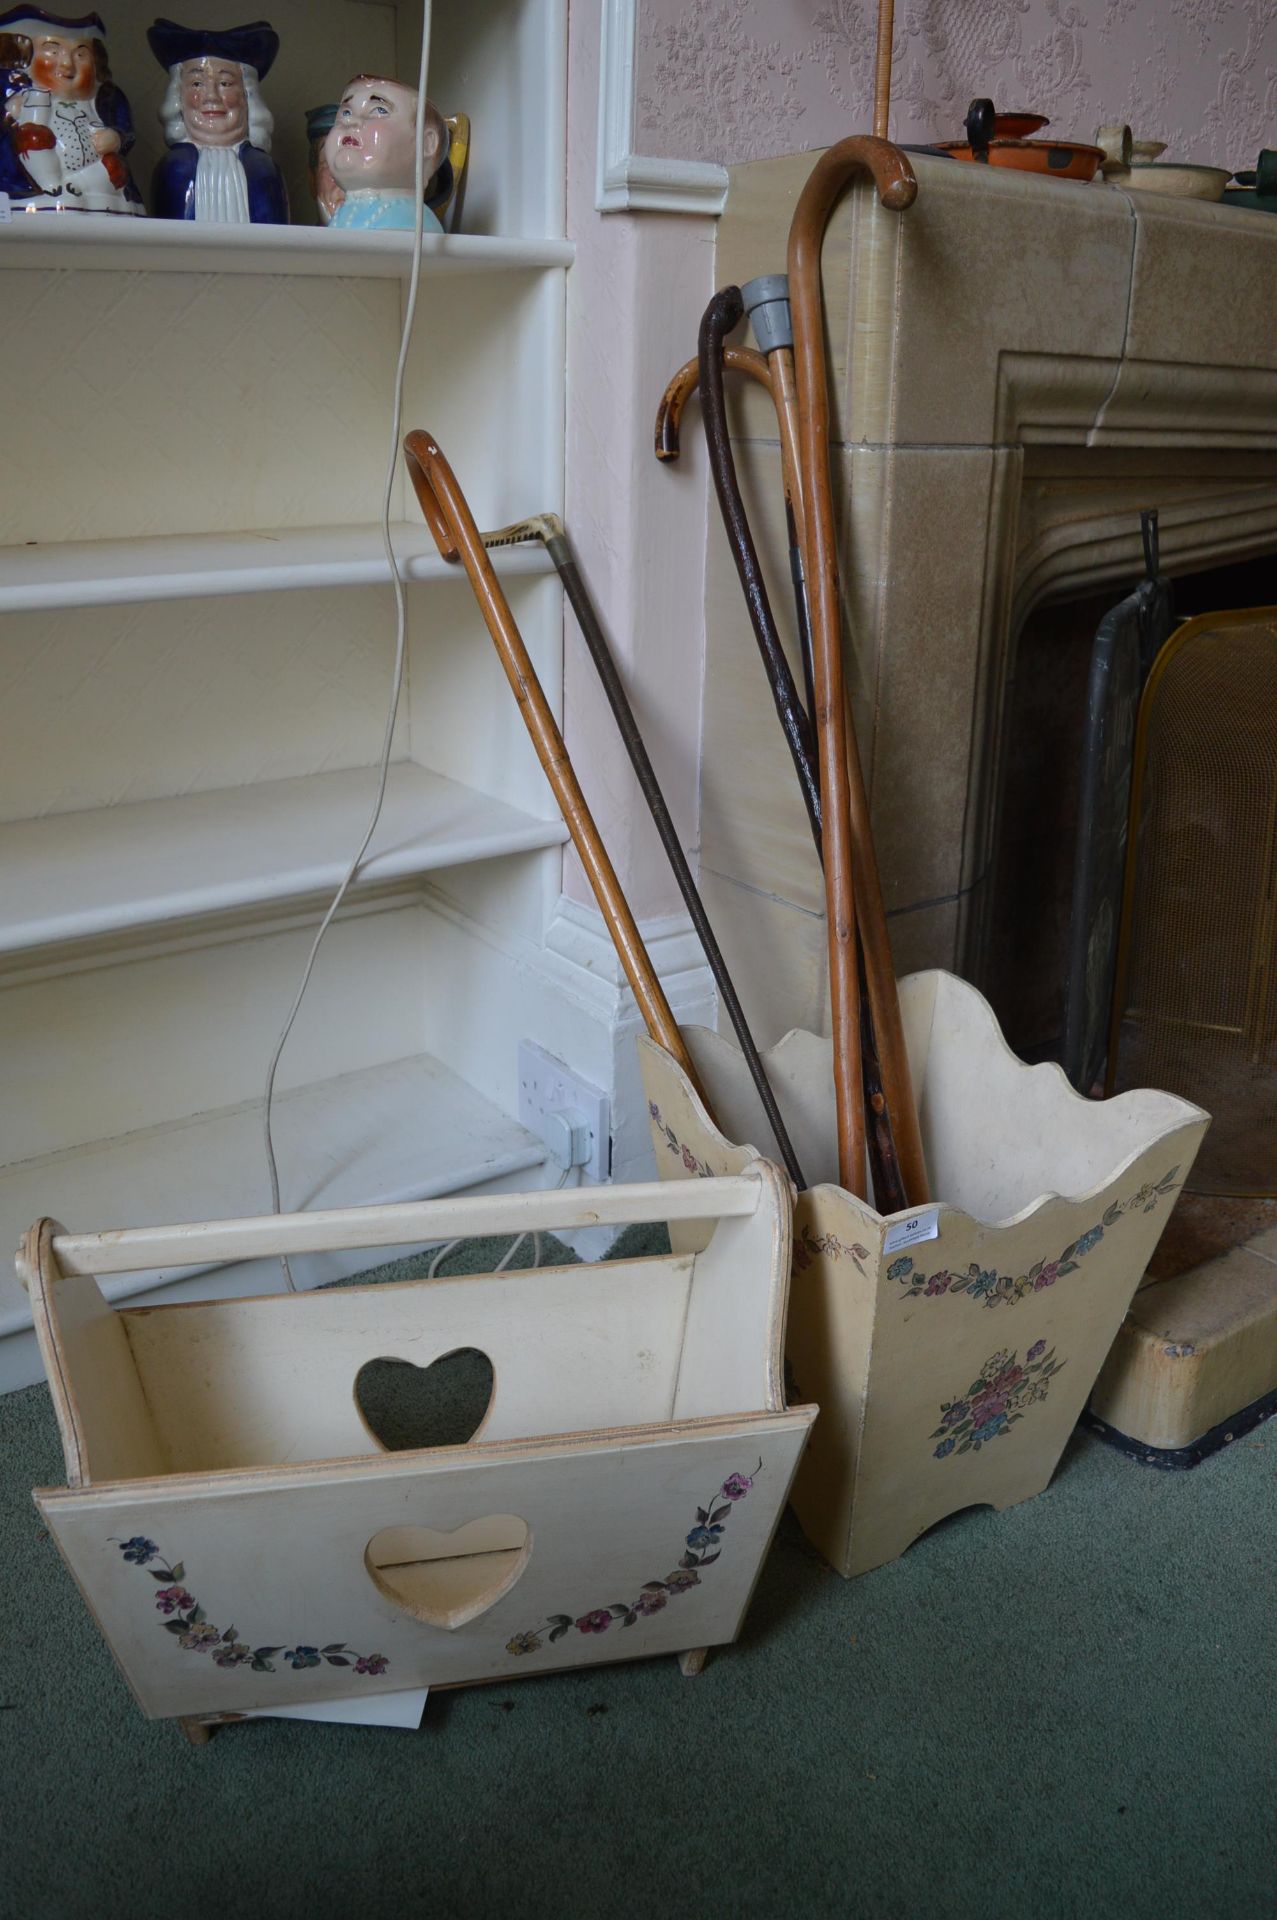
{"points": [[196, 642]]}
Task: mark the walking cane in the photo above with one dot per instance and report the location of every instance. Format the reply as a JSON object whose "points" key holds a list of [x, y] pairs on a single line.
{"points": [[669, 416], [451, 522], [549, 529], [767, 303], [847, 836], [723, 312]]}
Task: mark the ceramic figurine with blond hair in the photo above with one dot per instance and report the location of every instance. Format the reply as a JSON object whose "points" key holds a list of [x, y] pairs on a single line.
{"points": [[66, 125], [372, 156], [218, 127]]}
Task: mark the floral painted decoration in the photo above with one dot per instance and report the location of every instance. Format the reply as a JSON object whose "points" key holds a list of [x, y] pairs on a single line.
{"points": [[676, 1147], [702, 1549], [992, 1288], [992, 1404], [808, 1245], [184, 1618]]}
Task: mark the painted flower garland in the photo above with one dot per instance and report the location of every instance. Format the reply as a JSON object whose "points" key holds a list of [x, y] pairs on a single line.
{"points": [[676, 1147], [702, 1550], [985, 1284], [808, 1245], [185, 1620], [992, 1288], [992, 1404]]}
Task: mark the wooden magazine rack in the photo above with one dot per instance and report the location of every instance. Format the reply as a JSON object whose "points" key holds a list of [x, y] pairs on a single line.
{"points": [[245, 1542]]}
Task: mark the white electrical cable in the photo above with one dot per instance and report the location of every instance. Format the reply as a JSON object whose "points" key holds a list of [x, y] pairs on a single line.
{"points": [[401, 622], [450, 1246], [536, 1237]]}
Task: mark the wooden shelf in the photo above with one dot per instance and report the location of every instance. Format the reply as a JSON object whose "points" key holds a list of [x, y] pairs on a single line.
{"points": [[153, 863], [100, 573], [116, 243], [407, 1130]]}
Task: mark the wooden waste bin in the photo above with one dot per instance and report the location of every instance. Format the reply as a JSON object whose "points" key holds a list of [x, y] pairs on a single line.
{"points": [[952, 1351]]}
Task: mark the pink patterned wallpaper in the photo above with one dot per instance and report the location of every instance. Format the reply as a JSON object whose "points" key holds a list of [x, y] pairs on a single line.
{"points": [[729, 80]]}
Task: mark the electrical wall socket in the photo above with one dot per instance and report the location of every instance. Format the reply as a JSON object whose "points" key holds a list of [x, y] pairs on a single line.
{"points": [[546, 1086]]}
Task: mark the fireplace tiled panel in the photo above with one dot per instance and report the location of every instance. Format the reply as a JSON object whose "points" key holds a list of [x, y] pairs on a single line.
{"points": [[1034, 362], [981, 274]]}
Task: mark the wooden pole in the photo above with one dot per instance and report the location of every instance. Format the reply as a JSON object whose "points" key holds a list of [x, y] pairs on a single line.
{"points": [[882, 68], [848, 842], [451, 522], [896, 1152]]}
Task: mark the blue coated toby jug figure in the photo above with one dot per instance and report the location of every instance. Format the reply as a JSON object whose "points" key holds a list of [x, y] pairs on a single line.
{"points": [[218, 127]]}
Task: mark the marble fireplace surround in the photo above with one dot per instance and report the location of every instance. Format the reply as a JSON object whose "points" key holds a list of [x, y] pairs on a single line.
{"points": [[1034, 361]]}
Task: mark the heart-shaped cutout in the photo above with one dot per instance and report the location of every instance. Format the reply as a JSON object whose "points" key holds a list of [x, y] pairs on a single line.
{"points": [[449, 1579], [443, 1405]]}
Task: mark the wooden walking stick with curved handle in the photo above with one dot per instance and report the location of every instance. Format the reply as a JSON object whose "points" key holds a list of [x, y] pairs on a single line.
{"points": [[457, 537], [669, 415], [669, 419], [845, 811], [895, 1140]]}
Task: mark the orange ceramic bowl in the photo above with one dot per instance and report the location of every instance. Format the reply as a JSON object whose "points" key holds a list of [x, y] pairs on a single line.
{"points": [[1018, 126], [1061, 159]]}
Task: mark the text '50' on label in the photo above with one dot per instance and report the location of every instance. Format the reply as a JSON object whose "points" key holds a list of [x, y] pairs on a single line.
{"points": [[922, 1225]]}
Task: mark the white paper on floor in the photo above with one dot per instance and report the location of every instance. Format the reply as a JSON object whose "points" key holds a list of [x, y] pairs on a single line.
{"points": [[369, 1710]]}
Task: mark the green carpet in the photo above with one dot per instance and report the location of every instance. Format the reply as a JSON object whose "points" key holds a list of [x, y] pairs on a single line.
{"points": [[1066, 1709]]}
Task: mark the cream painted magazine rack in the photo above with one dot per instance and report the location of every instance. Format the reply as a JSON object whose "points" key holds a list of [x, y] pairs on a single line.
{"points": [[951, 1352], [243, 1540]]}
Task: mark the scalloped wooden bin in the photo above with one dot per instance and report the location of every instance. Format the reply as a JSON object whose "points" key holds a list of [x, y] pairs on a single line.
{"points": [[949, 1373], [244, 1541]]}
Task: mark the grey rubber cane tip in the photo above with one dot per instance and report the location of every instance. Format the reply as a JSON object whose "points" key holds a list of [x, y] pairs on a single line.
{"points": [[767, 304]]}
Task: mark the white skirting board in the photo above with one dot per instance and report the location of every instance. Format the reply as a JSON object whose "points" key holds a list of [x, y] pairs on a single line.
{"points": [[569, 995]]}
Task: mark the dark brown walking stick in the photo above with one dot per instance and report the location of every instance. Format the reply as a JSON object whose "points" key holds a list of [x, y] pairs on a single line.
{"points": [[848, 841], [767, 305], [724, 312], [457, 537], [549, 529]]}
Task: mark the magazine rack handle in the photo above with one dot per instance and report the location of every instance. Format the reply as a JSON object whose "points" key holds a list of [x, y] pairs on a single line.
{"points": [[213, 1242]]}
